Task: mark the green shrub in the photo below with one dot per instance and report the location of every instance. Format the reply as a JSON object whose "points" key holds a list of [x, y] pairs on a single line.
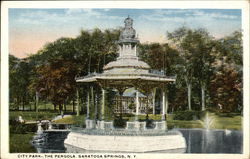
{"points": [[21, 128], [119, 122], [189, 115], [231, 115]]}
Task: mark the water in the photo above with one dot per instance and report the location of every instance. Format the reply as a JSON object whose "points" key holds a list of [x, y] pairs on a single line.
{"points": [[207, 121], [197, 140], [212, 141], [53, 142]]}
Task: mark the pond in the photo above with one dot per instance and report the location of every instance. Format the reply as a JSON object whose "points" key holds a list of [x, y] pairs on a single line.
{"points": [[197, 140]]}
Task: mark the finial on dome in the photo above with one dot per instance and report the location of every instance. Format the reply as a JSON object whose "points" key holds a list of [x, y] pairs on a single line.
{"points": [[128, 22]]}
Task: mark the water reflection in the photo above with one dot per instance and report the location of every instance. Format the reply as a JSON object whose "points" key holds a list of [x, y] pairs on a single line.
{"points": [[198, 141], [212, 141]]}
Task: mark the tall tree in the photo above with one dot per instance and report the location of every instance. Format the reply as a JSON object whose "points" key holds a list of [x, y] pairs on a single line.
{"points": [[58, 79], [182, 40], [226, 89], [19, 80], [194, 47]]}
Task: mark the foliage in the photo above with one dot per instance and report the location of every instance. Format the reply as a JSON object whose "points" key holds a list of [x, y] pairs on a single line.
{"points": [[19, 73], [226, 89], [75, 120], [57, 81], [198, 60], [119, 122], [32, 115], [188, 115]]}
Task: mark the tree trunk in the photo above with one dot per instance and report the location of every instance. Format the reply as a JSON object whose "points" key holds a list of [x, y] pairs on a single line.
{"points": [[203, 98], [60, 109], [18, 103], [23, 103], [45, 106], [34, 102], [37, 100], [54, 106], [78, 103], [64, 106], [189, 85], [73, 106]]}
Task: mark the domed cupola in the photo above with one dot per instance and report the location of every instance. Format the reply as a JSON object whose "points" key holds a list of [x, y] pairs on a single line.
{"points": [[128, 61], [128, 32]]}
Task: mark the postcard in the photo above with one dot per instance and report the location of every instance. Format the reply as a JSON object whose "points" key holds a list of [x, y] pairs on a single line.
{"points": [[125, 79]]}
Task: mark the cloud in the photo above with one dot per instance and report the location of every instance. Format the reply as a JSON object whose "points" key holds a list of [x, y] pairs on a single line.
{"points": [[151, 24], [186, 14]]}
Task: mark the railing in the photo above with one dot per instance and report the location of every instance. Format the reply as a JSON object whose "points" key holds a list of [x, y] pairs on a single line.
{"points": [[90, 74], [49, 126], [157, 72], [123, 132]]}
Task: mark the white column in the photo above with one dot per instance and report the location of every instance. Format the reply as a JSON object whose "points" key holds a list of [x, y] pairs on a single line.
{"points": [[78, 103], [120, 50], [135, 50], [103, 104], [163, 104], [166, 103], [154, 93], [123, 49], [88, 104], [137, 104]]}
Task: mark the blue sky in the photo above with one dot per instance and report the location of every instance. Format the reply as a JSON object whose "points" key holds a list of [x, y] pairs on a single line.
{"points": [[30, 29]]}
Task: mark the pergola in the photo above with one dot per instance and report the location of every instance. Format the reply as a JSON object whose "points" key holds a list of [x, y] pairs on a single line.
{"points": [[128, 71]]}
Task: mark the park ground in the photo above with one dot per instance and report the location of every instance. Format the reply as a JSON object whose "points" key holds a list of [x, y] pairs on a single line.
{"points": [[20, 142]]}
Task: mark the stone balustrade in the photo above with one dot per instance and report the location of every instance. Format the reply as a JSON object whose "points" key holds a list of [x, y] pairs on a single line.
{"points": [[105, 125], [160, 125], [136, 125], [90, 124]]}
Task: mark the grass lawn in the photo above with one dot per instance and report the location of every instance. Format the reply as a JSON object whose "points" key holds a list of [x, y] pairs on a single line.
{"points": [[32, 115], [20, 143], [42, 106], [218, 122], [233, 123]]}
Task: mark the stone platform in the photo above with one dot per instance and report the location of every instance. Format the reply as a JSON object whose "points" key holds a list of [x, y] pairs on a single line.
{"points": [[126, 141]]}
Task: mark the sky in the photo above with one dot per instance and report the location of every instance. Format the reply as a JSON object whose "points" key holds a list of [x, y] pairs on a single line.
{"points": [[30, 29]]}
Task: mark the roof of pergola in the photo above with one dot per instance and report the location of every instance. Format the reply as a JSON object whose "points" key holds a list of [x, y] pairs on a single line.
{"points": [[110, 77], [128, 70], [143, 82]]}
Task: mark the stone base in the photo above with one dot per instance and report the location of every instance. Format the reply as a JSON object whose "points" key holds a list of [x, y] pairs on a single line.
{"points": [[90, 124], [105, 125], [160, 125], [113, 143], [136, 125]]}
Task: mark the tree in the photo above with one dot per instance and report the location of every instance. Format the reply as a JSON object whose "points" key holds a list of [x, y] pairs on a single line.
{"points": [[182, 40], [57, 80], [226, 89], [194, 47], [228, 73], [79, 52], [19, 80]]}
